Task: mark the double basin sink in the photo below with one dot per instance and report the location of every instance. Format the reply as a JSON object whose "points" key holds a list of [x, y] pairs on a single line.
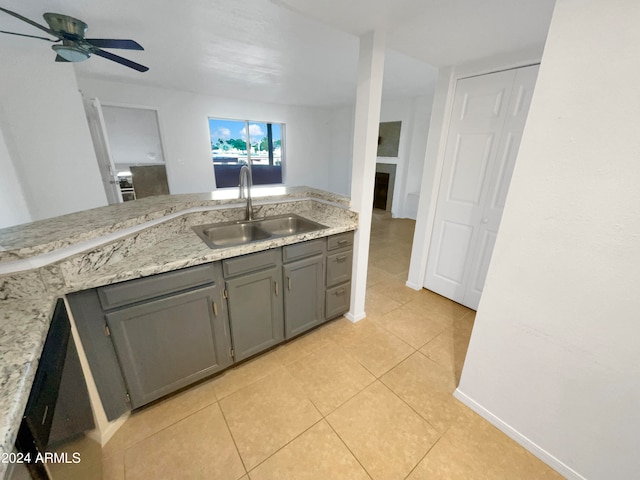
{"points": [[222, 235]]}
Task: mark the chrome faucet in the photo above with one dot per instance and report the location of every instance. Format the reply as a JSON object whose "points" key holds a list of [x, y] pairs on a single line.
{"points": [[246, 182]]}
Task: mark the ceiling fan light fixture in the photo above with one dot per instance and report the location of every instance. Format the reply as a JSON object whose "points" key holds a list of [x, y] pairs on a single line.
{"points": [[71, 53]]}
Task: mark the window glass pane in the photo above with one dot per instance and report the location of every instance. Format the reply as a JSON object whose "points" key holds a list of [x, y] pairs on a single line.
{"points": [[229, 151]]}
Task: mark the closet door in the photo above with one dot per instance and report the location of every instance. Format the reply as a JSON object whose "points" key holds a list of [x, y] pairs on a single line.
{"points": [[488, 116]]}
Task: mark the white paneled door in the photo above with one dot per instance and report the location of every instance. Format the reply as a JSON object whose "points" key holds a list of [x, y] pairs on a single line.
{"points": [[488, 117]]}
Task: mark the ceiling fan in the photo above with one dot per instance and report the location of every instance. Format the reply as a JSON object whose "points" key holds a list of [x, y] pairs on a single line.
{"points": [[71, 46]]}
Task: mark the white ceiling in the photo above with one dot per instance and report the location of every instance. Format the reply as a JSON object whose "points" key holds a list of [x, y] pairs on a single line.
{"points": [[299, 52]]}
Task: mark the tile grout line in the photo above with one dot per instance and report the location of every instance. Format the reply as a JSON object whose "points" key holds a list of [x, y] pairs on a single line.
{"points": [[165, 427], [349, 449], [224, 417]]}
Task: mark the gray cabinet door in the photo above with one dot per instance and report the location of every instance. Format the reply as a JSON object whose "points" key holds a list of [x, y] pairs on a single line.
{"points": [[166, 344], [255, 311], [303, 295]]}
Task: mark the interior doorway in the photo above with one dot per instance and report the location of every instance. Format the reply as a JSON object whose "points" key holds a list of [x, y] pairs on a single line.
{"points": [[384, 186]]}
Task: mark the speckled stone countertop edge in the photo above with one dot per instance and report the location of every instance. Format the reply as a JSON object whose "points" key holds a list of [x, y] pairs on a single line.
{"points": [[24, 325], [24, 241]]}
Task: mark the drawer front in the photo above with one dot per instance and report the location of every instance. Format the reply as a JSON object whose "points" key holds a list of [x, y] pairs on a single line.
{"points": [[303, 249], [133, 291], [337, 300], [340, 241], [250, 263], [339, 267]]}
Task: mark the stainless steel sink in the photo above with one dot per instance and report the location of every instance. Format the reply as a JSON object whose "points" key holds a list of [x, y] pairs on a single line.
{"points": [[221, 235], [227, 235], [288, 225]]}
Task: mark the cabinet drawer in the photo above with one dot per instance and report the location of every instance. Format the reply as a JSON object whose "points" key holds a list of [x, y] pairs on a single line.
{"points": [[339, 241], [250, 263], [337, 300], [303, 249], [133, 291], [339, 267]]}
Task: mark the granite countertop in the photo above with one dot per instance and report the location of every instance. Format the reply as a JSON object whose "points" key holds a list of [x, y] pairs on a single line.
{"points": [[44, 260]]}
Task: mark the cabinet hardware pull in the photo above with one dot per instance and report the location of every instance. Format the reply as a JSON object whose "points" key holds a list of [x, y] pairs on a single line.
{"points": [[276, 288], [215, 308], [340, 292], [341, 259], [343, 241], [289, 283]]}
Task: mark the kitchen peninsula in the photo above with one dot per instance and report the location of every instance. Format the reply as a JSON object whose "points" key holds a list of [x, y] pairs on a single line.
{"points": [[44, 260]]}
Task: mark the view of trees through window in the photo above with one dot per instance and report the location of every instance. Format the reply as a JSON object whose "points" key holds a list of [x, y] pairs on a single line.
{"points": [[235, 143]]}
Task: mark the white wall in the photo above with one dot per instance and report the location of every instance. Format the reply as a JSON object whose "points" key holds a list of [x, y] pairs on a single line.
{"points": [[46, 131], [414, 113], [13, 206], [185, 131], [554, 355], [340, 156]]}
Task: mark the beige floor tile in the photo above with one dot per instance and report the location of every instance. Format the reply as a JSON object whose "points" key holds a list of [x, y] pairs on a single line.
{"points": [[113, 467], [394, 287], [412, 325], [428, 389], [267, 414], [449, 349], [330, 377], [88, 468], [385, 435], [436, 305], [376, 275], [378, 303], [377, 349], [303, 345], [246, 373], [317, 454], [198, 447], [157, 416], [393, 266], [473, 448]]}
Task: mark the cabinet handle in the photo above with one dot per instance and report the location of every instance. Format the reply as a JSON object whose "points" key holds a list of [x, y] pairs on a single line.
{"points": [[289, 283], [215, 308], [341, 259], [276, 288], [343, 241], [340, 292]]}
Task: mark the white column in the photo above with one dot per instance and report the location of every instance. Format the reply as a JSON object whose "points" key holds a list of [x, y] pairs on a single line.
{"points": [[365, 146]]}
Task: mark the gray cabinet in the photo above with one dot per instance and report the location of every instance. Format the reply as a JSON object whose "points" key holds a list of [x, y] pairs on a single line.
{"points": [[166, 344], [254, 298], [148, 337], [338, 279], [303, 296]]}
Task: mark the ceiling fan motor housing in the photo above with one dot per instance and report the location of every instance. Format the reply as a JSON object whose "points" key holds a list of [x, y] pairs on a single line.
{"points": [[66, 25]]}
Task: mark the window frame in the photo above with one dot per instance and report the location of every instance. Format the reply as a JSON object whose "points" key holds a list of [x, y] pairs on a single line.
{"points": [[247, 123]]}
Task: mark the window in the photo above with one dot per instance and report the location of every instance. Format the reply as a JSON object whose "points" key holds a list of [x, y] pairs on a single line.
{"points": [[235, 143]]}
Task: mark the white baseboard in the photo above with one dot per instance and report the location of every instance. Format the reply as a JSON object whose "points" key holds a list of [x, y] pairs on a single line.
{"points": [[413, 286], [354, 318], [511, 432]]}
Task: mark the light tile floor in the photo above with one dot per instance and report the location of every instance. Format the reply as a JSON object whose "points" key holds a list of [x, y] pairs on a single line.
{"points": [[371, 400]]}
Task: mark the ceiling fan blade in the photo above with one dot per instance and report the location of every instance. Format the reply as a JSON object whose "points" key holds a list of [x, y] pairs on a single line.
{"points": [[30, 22], [30, 36], [60, 59], [120, 60], [114, 43]]}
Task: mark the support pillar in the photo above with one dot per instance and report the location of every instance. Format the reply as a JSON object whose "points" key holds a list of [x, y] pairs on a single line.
{"points": [[365, 148]]}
